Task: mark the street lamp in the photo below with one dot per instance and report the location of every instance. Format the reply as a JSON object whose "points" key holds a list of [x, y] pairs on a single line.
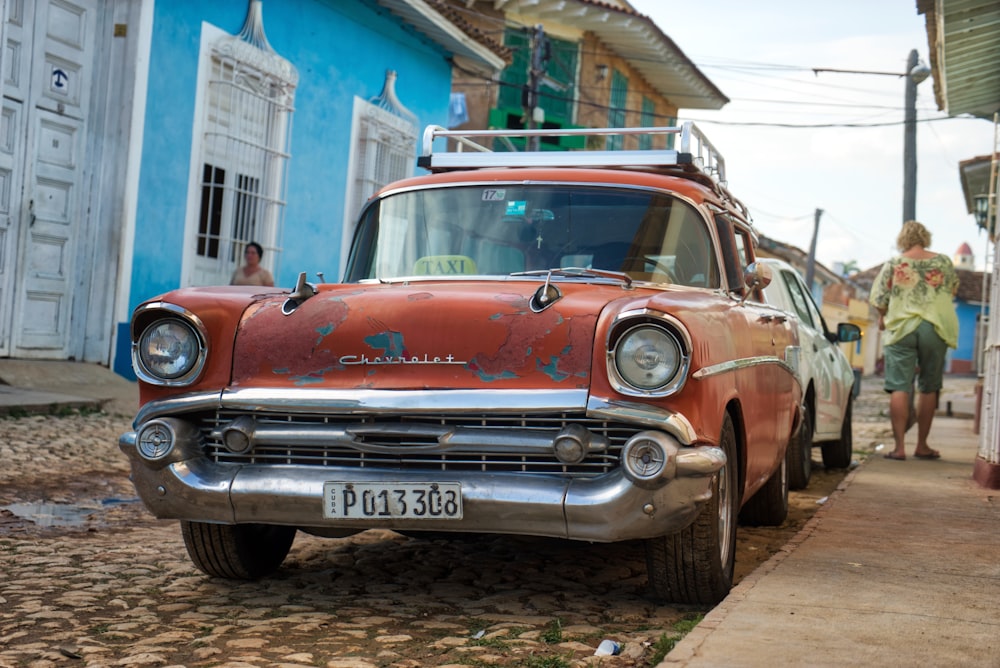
{"points": [[916, 72], [982, 213]]}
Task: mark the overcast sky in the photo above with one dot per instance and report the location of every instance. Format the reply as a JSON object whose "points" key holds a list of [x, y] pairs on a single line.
{"points": [[761, 55]]}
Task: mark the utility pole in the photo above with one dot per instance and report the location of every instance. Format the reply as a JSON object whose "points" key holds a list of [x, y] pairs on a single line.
{"points": [[540, 53], [811, 264], [910, 139]]}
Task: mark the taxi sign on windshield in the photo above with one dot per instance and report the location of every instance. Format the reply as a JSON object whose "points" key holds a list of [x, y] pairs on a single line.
{"points": [[444, 265]]}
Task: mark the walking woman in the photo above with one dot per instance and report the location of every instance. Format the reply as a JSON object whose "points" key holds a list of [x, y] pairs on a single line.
{"points": [[914, 294]]}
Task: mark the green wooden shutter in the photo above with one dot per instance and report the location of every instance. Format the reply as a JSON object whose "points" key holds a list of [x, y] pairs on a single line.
{"points": [[561, 68], [616, 110], [647, 119]]}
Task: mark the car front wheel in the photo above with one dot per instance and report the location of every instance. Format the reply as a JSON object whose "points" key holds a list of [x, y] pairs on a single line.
{"points": [[695, 565], [837, 454], [237, 551]]}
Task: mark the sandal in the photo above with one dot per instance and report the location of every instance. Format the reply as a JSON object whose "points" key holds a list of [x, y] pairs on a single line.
{"points": [[933, 454], [893, 455]]}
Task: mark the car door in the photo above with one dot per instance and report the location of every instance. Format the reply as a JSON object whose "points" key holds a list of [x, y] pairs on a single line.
{"points": [[772, 396]]}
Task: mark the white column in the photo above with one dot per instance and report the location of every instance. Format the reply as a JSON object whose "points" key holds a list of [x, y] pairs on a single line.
{"points": [[989, 431]]}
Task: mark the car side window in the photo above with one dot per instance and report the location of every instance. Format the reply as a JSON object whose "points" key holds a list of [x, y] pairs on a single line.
{"points": [[800, 300], [743, 245], [730, 256], [817, 316], [741, 251]]}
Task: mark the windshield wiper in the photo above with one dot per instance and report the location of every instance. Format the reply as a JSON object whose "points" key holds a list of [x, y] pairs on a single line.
{"points": [[579, 272]]}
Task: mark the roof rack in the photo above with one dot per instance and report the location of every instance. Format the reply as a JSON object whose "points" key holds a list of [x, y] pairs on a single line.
{"points": [[695, 152]]}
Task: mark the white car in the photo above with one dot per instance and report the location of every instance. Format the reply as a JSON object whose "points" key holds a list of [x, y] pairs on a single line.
{"points": [[826, 375]]}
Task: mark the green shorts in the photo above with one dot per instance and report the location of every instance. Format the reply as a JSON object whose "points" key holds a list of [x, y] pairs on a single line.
{"points": [[921, 353]]}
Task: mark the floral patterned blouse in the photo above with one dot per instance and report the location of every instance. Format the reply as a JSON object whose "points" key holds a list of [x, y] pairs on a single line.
{"points": [[912, 290]]}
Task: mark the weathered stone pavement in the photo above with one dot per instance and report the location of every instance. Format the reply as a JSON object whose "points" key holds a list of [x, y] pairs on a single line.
{"points": [[89, 578], [115, 587]]}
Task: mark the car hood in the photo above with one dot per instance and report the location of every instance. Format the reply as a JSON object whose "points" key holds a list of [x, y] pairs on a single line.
{"points": [[435, 335]]}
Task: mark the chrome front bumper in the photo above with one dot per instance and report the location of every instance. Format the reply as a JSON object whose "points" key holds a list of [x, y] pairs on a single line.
{"points": [[613, 506]]}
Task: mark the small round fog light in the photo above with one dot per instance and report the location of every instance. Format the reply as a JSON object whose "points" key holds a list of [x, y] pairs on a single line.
{"points": [[238, 436], [650, 458], [236, 441], [155, 440], [646, 458], [569, 450], [572, 444]]}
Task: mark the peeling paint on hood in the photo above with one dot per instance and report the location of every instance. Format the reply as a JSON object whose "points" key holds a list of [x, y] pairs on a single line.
{"points": [[423, 336]]}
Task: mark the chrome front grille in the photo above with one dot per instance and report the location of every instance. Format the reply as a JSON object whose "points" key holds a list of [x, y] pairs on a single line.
{"points": [[410, 442]]}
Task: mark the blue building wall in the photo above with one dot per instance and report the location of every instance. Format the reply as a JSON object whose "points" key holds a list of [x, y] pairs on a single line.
{"points": [[341, 49], [968, 314]]}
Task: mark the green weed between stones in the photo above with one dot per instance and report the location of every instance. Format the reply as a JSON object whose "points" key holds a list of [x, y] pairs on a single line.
{"points": [[666, 642]]}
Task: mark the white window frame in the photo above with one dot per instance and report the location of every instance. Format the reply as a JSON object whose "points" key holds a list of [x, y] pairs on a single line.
{"points": [[383, 150], [242, 128]]}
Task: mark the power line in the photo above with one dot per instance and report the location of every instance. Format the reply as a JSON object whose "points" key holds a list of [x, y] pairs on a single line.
{"points": [[752, 100], [483, 81], [505, 24], [808, 126], [754, 69]]}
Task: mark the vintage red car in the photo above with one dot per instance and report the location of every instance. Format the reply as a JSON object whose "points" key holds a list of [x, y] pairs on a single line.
{"points": [[562, 344]]}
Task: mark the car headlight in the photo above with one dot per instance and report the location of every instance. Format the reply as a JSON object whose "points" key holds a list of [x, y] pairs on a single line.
{"points": [[647, 359], [169, 351]]}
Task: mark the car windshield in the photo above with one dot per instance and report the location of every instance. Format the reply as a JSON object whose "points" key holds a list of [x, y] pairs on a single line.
{"points": [[498, 230]]}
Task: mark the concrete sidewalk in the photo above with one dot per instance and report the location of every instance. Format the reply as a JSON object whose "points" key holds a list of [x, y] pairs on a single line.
{"points": [[901, 567], [45, 386]]}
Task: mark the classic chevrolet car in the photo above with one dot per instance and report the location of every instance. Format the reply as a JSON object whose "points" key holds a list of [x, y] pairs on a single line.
{"points": [[545, 343], [826, 377]]}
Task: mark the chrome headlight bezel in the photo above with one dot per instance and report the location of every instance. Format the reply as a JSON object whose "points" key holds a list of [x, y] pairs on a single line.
{"points": [[659, 329], [190, 350]]}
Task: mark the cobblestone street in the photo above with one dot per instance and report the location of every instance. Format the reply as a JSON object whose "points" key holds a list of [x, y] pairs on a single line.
{"points": [[89, 578]]}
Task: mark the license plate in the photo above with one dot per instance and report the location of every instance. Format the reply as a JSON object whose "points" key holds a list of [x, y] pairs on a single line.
{"points": [[392, 500]]}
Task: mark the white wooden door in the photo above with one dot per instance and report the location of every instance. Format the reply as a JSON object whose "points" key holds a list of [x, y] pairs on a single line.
{"points": [[48, 78], [12, 130]]}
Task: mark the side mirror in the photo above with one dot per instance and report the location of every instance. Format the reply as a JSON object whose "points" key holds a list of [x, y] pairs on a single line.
{"points": [[757, 275], [847, 331]]}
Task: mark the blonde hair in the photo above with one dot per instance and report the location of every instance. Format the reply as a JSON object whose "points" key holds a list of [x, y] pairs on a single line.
{"points": [[913, 234]]}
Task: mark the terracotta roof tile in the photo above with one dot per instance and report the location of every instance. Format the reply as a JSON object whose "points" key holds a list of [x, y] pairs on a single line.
{"points": [[970, 286], [455, 16]]}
